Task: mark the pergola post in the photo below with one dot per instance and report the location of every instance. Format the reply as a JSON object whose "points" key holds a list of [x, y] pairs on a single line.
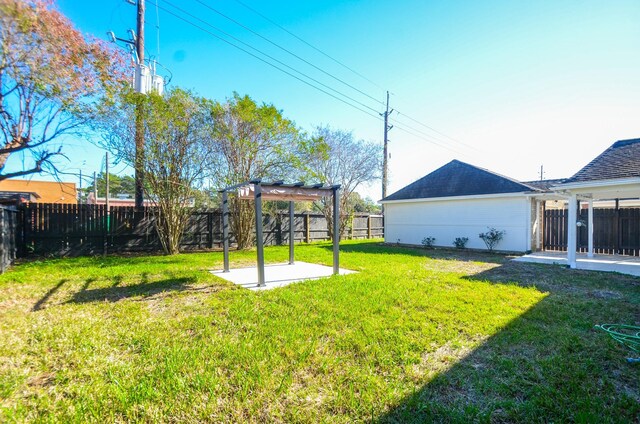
{"points": [[225, 229], [571, 231], [336, 230], [292, 226], [259, 237], [590, 229]]}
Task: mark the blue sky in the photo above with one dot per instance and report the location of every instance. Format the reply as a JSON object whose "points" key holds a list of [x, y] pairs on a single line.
{"points": [[516, 84]]}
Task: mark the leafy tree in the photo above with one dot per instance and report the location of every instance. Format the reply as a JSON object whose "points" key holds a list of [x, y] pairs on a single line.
{"points": [[125, 184], [363, 205], [176, 130], [339, 158], [52, 81], [250, 141]]}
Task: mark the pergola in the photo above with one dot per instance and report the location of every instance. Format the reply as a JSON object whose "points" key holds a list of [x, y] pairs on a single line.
{"points": [[258, 191]]}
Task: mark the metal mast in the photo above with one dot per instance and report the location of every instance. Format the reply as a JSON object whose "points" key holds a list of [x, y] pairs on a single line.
{"points": [[139, 159], [385, 159]]}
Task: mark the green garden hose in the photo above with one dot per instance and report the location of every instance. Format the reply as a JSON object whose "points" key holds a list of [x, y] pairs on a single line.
{"points": [[628, 335]]}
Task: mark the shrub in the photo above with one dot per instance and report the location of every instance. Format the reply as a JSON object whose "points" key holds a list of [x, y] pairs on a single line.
{"points": [[460, 242], [427, 242], [492, 237]]}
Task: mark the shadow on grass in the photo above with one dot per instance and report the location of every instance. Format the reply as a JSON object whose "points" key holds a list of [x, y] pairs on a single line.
{"points": [[40, 303], [145, 289], [437, 253], [548, 364], [559, 279]]}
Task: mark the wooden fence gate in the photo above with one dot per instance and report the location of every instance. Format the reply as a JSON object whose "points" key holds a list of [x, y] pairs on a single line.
{"points": [[616, 231]]}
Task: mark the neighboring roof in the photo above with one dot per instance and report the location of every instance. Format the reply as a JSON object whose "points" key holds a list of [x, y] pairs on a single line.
{"points": [[459, 179], [544, 185], [47, 191], [621, 160]]}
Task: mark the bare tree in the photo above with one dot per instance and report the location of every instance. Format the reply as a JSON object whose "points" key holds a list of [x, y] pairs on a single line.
{"points": [[339, 158], [250, 141], [174, 161], [52, 81]]}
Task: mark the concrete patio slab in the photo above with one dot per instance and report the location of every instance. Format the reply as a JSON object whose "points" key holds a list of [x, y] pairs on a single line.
{"points": [[278, 275], [607, 263]]}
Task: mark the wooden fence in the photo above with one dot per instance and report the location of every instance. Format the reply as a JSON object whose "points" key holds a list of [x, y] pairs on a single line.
{"points": [[615, 231], [74, 230], [8, 236]]}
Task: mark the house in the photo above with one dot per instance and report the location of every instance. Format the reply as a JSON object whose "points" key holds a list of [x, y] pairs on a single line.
{"points": [[39, 191], [462, 200], [123, 200], [119, 201]]}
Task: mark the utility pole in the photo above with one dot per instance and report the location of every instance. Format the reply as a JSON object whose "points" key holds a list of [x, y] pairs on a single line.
{"points": [[95, 189], [385, 159], [541, 172], [80, 188], [107, 226], [106, 175], [139, 160]]}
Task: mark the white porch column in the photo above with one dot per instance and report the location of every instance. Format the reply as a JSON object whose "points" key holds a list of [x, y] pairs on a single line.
{"points": [[571, 231], [539, 219], [590, 229]]}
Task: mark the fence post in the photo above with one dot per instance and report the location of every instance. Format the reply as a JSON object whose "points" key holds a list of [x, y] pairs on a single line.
{"points": [[369, 226], [105, 227], [210, 225], [307, 225], [3, 239], [352, 226]]}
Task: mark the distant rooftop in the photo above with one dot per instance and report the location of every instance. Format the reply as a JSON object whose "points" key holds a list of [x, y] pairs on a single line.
{"points": [[621, 160], [544, 185]]}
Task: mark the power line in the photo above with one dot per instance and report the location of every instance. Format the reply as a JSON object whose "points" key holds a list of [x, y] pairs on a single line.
{"points": [[435, 131], [428, 140], [419, 131], [330, 57], [375, 116], [308, 44], [269, 63], [157, 31], [289, 52], [267, 55]]}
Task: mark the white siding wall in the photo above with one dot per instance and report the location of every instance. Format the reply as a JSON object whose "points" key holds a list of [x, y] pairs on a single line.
{"points": [[445, 220]]}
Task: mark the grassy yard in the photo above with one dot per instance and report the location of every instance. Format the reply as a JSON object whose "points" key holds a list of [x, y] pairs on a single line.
{"points": [[415, 336]]}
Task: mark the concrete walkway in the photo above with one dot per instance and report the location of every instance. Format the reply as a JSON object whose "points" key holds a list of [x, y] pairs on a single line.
{"points": [[608, 263], [278, 275]]}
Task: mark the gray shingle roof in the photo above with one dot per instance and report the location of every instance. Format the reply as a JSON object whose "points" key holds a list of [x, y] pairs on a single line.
{"points": [[544, 185], [621, 160], [459, 179]]}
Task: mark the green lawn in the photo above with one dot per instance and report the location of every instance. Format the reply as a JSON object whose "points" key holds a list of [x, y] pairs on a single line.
{"points": [[415, 336]]}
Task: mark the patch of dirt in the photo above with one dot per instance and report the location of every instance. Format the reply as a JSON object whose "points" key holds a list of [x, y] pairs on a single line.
{"points": [[444, 357], [606, 294], [41, 380]]}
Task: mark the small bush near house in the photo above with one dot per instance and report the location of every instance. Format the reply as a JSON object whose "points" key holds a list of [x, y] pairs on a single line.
{"points": [[492, 237], [460, 242], [427, 242]]}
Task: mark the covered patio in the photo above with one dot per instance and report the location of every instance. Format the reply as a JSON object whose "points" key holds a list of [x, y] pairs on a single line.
{"points": [[607, 263], [612, 177], [589, 192]]}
